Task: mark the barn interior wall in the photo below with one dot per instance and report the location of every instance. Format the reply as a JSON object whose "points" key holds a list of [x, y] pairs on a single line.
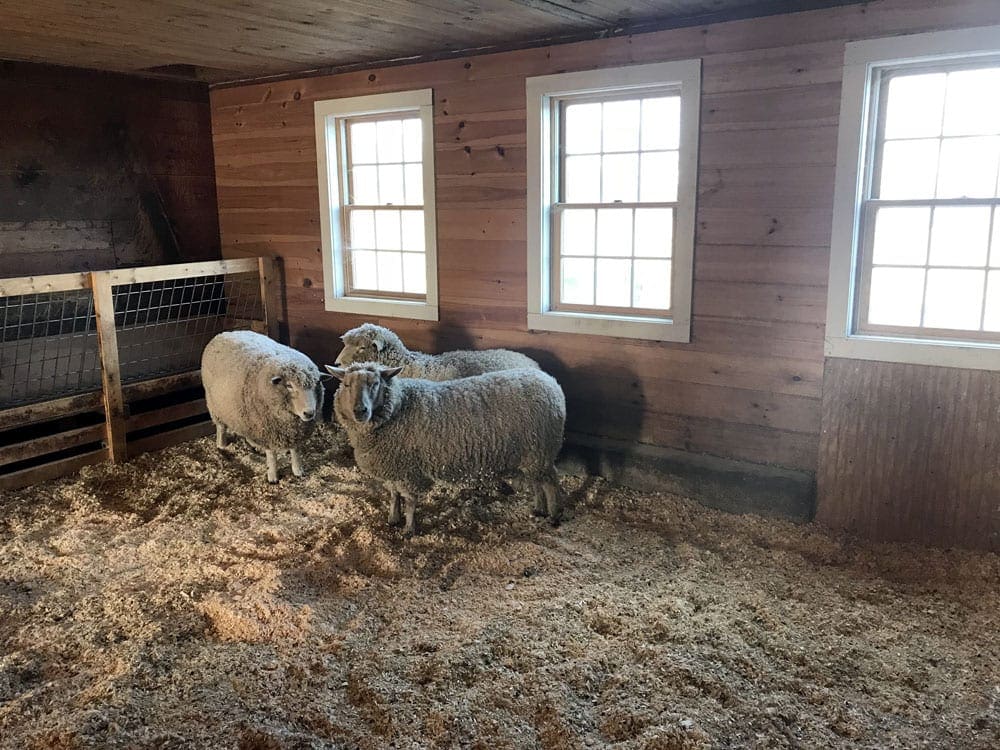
{"points": [[749, 386], [101, 171]]}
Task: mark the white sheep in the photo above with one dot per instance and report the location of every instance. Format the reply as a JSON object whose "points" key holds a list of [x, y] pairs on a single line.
{"points": [[411, 433], [263, 391], [372, 343]]}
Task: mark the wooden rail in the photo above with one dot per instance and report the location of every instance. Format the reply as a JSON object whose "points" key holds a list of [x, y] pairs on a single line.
{"points": [[99, 425]]}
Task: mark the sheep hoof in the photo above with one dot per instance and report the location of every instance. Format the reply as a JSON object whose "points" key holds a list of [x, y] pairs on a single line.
{"points": [[539, 512], [409, 532], [395, 522], [555, 521]]}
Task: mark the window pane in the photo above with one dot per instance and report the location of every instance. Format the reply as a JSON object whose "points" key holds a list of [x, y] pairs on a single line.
{"points": [[365, 184], [363, 229], [661, 123], [896, 296], [972, 106], [577, 277], [387, 230], [995, 244], [620, 178], [991, 320], [614, 232], [909, 169], [578, 232], [614, 282], [414, 184], [913, 109], [363, 270], [959, 235], [582, 180], [954, 299], [621, 126], [414, 273], [390, 184], [654, 230], [659, 177], [412, 140], [968, 167], [390, 272], [413, 230], [901, 236], [583, 128], [652, 284], [363, 142], [390, 140]]}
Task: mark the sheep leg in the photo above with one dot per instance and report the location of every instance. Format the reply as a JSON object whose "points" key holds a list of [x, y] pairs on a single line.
{"points": [[540, 509], [411, 509], [395, 517], [297, 469], [272, 466], [550, 487], [221, 439]]}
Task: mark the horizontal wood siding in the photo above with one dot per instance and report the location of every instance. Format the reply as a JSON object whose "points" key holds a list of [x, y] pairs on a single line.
{"points": [[748, 385], [909, 452]]}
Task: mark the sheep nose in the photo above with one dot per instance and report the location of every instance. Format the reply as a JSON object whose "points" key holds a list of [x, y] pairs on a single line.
{"points": [[361, 412], [308, 415]]}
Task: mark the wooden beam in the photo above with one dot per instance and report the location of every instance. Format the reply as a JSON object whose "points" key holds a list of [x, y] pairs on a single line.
{"points": [[60, 282], [180, 271], [160, 386], [48, 410], [167, 414], [10, 454], [172, 437], [24, 477], [107, 338], [269, 280]]}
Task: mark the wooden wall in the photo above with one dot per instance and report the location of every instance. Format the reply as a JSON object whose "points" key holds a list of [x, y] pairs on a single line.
{"points": [[749, 384], [100, 170], [910, 453]]}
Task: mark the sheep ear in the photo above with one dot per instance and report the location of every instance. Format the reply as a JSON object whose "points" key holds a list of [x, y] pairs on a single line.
{"points": [[276, 380], [337, 372], [390, 372]]}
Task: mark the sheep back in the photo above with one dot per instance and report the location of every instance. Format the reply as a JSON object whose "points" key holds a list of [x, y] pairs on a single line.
{"points": [[236, 371]]}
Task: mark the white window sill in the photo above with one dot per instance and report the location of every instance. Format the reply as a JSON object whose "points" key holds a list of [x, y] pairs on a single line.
{"points": [[596, 324], [971, 355], [382, 308]]}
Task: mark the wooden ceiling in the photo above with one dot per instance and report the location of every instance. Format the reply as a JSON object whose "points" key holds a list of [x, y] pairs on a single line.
{"points": [[227, 40]]}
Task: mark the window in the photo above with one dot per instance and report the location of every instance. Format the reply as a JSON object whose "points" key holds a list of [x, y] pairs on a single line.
{"points": [[915, 260], [376, 179], [612, 161]]}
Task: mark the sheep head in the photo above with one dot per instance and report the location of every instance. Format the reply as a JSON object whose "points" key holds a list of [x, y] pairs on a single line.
{"points": [[300, 390], [363, 391], [371, 343]]}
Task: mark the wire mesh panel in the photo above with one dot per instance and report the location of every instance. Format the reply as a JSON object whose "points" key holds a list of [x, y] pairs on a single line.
{"points": [[164, 325], [48, 346]]}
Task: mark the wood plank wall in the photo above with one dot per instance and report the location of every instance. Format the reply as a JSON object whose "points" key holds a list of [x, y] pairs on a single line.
{"points": [[88, 156], [749, 384]]}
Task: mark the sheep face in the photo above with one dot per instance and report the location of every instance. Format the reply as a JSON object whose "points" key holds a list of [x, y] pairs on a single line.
{"points": [[300, 391], [362, 390], [366, 343]]}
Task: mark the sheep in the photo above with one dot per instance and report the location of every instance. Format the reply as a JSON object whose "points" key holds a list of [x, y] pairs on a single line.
{"points": [[372, 343], [411, 433], [263, 391]]}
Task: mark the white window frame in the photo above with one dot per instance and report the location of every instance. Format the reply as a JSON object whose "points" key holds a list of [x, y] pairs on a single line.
{"points": [[543, 94], [332, 173], [863, 63]]}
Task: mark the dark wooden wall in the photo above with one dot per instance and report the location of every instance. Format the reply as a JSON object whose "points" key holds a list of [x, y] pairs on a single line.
{"points": [[100, 170], [749, 384]]}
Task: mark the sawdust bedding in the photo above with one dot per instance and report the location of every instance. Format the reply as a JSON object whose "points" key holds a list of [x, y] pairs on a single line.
{"points": [[180, 601]]}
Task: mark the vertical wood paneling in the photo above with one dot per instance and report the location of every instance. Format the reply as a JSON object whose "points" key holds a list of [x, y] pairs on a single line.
{"points": [[910, 452], [747, 386]]}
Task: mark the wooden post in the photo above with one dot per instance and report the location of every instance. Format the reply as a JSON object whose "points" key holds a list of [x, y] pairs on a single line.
{"points": [[111, 378], [268, 269]]}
